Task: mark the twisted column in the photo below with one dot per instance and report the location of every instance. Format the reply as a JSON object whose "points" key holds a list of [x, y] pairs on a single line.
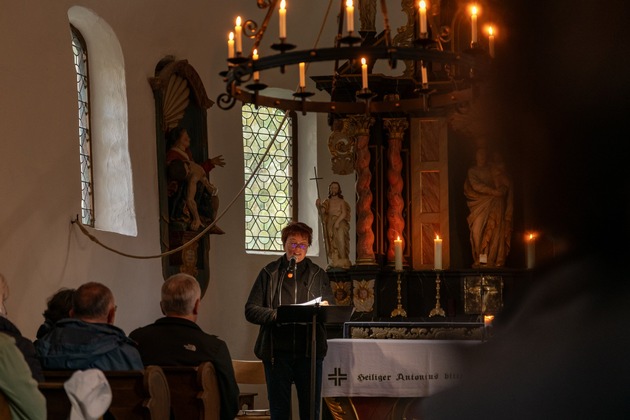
{"points": [[396, 224], [365, 218]]}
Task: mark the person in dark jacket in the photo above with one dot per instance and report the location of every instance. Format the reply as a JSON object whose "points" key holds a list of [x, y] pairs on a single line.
{"points": [[177, 340], [89, 339], [285, 349]]}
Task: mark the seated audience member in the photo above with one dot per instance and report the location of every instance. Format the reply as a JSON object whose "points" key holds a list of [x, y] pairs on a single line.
{"points": [[89, 339], [25, 400], [57, 307], [176, 339], [24, 344]]}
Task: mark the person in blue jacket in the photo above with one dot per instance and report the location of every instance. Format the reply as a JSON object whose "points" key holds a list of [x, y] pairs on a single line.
{"points": [[89, 339]]}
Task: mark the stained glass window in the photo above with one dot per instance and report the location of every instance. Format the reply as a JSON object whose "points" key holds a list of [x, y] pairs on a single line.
{"points": [[79, 52], [269, 197]]}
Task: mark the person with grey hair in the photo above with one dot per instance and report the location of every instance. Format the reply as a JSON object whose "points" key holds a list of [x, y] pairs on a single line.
{"points": [[177, 340], [89, 339]]}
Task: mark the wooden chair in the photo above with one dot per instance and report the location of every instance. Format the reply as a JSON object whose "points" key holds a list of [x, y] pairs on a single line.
{"points": [[136, 394], [249, 372], [194, 392]]}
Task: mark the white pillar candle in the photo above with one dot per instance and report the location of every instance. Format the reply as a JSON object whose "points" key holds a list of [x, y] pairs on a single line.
{"points": [[398, 259], [350, 15], [423, 16], [282, 15], [231, 45], [425, 79], [254, 58], [473, 21], [437, 253], [238, 29], [364, 75], [531, 250], [491, 42], [302, 76]]}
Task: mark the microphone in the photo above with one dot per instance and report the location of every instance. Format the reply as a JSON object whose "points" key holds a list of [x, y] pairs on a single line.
{"points": [[291, 268]]}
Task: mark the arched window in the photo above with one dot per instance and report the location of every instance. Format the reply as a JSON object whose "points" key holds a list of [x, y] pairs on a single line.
{"points": [[113, 207], [80, 55], [270, 198]]}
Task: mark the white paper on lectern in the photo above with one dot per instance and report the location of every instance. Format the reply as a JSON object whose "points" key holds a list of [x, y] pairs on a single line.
{"points": [[310, 302]]}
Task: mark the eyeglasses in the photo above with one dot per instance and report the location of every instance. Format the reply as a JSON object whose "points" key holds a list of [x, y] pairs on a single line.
{"points": [[301, 246]]}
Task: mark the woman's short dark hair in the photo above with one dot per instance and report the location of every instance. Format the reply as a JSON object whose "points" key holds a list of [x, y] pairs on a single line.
{"points": [[297, 228], [58, 305]]}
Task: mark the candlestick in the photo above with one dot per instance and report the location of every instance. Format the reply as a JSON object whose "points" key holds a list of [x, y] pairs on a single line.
{"points": [[231, 45], [237, 35], [364, 76], [302, 76], [350, 15], [254, 58], [491, 42], [282, 14], [423, 17], [398, 260], [437, 253], [531, 250], [473, 20]]}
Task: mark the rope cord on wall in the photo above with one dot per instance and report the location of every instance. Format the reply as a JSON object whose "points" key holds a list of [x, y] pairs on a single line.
{"points": [[78, 222]]}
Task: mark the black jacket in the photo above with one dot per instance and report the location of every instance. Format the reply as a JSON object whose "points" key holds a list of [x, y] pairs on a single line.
{"points": [[172, 341], [310, 282]]}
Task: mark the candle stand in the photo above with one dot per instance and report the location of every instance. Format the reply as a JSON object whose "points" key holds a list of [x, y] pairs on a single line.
{"points": [[437, 311], [399, 311]]}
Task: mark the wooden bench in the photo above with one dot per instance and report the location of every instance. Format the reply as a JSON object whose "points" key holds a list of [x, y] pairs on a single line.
{"points": [[136, 394], [194, 392]]}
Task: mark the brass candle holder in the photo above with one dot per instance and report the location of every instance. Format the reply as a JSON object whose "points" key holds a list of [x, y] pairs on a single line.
{"points": [[399, 311], [437, 311]]}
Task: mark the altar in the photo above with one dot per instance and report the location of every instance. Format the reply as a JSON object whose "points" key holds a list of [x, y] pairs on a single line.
{"points": [[385, 378], [391, 368]]}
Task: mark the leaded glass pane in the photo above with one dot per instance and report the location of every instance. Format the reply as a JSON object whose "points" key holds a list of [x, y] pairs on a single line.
{"points": [[79, 52], [269, 195]]}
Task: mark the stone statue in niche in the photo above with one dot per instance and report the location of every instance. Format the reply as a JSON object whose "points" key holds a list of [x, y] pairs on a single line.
{"points": [[489, 195], [193, 200], [335, 213]]}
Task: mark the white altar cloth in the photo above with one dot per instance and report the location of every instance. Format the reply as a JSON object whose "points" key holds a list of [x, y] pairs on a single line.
{"points": [[390, 368]]}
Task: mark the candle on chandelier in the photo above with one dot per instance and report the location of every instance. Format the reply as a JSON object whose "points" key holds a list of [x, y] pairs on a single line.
{"points": [[302, 76], [473, 21], [255, 57], [398, 260], [491, 41], [531, 250], [423, 70], [423, 16], [364, 75], [437, 253], [238, 29], [350, 15], [231, 45], [282, 15]]}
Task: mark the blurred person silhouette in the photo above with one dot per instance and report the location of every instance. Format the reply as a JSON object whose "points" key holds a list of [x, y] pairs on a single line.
{"points": [[561, 97], [24, 344], [25, 400]]}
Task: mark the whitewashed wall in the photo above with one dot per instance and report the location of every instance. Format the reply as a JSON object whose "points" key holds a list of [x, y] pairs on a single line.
{"points": [[40, 250]]}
